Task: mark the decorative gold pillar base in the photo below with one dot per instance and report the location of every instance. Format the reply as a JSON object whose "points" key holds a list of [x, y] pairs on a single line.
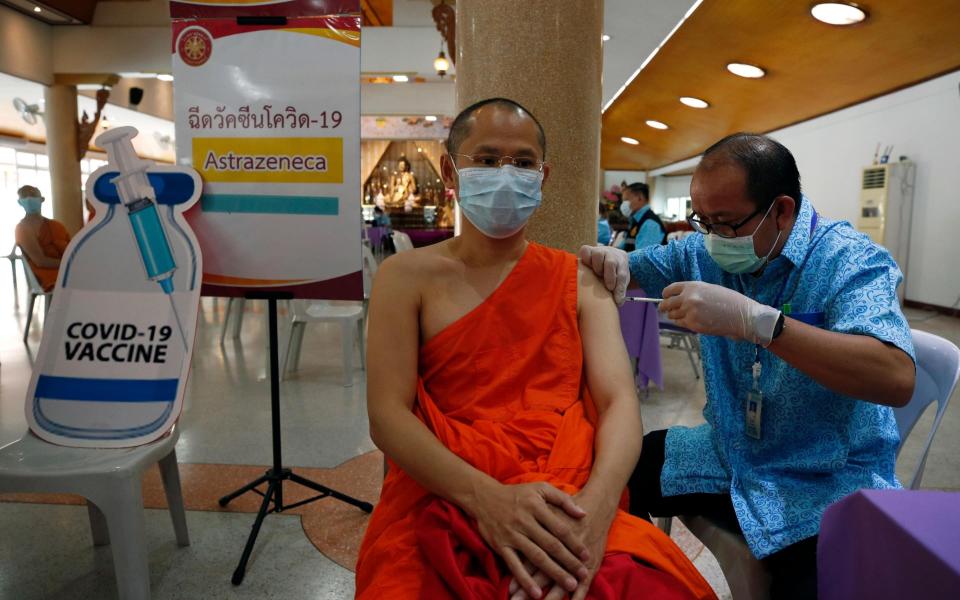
{"points": [[548, 56], [60, 114]]}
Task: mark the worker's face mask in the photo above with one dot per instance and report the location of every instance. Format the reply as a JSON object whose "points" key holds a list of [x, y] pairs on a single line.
{"points": [[499, 201], [737, 255], [31, 204], [625, 209]]}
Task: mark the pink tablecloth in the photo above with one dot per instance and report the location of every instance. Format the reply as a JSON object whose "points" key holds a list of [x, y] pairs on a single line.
{"points": [[639, 325]]}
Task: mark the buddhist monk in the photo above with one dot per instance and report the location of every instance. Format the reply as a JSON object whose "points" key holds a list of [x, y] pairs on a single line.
{"points": [[500, 391], [42, 240]]}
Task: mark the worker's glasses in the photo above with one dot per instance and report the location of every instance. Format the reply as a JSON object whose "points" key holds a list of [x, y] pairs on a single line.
{"points": [[724, 230], [491, 161]]}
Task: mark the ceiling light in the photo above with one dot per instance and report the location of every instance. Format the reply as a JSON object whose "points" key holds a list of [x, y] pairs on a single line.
{"points": [[400, 79], [748, 71], [838, 13], [629, 140], [605, 38], [431, 118], [36, 9], [657, 125], [694, 102], [440, 64], [165, 77]]}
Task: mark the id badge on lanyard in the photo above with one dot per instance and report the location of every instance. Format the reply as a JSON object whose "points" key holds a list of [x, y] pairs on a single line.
{"points": [[754, 412]]}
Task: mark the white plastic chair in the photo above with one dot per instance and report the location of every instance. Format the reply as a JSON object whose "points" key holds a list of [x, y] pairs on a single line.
{"points": [[34, 290], [351, 317], [938, 368], [111, 482], [402, 241], [13, 257]]}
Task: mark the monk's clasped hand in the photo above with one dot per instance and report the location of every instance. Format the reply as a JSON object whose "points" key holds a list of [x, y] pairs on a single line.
{"points": [[521, 522]]}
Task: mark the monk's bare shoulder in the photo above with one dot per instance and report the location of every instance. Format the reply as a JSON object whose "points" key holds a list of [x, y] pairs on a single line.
{"points": [[590, 288], [414, 270]]}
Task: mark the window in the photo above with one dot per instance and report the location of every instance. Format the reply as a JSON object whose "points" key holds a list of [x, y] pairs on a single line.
{"points": [[678, 207]]}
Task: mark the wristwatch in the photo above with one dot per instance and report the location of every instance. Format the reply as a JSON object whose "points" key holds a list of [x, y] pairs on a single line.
{"points": [[778, 328]]}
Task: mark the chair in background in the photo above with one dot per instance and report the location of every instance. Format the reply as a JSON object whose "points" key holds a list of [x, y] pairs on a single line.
{"points": [[34, 290], [938, 368], [683, 339], [402, 241], [13, 257], [351, 317], [110, 480]]}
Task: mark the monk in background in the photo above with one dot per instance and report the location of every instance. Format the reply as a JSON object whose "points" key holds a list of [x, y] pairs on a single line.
{"points": [[42, 240], [500, 390]]}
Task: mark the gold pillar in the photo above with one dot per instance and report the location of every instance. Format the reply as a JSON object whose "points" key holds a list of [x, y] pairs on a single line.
{"points": [[547, 56], [60, 114]]}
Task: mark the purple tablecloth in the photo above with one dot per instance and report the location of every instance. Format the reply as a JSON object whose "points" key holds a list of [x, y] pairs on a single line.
{"points": [[375, 235], [895, 544], [426, 237], [638, 323]]}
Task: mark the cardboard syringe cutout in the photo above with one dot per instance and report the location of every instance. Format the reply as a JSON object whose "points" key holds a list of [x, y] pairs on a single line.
{"points": [[115, 354]]}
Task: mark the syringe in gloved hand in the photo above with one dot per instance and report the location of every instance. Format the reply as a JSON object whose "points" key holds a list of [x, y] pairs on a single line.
{"points": [[139, 198]]}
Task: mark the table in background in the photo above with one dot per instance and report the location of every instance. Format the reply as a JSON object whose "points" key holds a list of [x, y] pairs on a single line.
{"points": [[641, 333], [880, 544], [427, 237]]}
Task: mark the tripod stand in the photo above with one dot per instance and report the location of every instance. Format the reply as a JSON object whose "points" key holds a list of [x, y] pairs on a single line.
{"points": [[275, 476]]}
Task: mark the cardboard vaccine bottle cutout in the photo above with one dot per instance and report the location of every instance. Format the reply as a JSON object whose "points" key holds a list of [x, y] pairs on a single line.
{"points": [[115, 354]]}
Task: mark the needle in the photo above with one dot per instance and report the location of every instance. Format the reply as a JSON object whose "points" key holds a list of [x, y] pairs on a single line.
{"points": [[642, 299]]}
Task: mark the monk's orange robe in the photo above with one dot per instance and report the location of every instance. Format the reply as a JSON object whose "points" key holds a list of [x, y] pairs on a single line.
{"points": [[503, 388], [53, 239]]}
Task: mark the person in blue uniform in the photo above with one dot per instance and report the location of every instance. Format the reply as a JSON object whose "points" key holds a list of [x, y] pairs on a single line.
{"points": [[805, 350], [645, 229]]}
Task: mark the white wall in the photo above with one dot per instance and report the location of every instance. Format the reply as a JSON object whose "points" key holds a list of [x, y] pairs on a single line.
{"points": [[611, 178], [668, 187], [27, 49], [923, 123]]}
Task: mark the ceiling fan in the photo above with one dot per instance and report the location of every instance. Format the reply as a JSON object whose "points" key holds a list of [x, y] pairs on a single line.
{"points": [[28, 112]]}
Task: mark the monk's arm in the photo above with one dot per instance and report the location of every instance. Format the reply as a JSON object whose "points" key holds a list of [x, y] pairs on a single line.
{"points": [[31, 247], [619, 428], [512, 518]]}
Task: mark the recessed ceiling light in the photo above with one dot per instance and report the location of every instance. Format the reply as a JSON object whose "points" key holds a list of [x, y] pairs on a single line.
{"points": [[36, 9], [431, 118], [629, 140], [694, 102], [605, 38], [657, 125], [748, 71], [838, 13], [165, 77], [400, 79]]}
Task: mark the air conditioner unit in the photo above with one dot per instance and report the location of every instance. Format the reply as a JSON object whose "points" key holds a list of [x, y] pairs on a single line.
{"points": [[886, 209]]}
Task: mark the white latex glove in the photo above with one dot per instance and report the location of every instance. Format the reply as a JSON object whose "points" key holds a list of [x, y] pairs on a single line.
{"points": [[715, 310], [612, 265]]}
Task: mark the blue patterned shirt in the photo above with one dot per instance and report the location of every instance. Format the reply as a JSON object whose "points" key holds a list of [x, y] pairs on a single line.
{"points": [[816, 445]]}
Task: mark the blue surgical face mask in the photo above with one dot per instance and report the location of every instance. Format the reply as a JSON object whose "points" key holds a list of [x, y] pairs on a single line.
{"points": [[625, 209], [31, 204], [737, 255], [499, 201]]}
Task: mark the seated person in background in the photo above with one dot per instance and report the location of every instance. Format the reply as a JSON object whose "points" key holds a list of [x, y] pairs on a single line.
{"points": [[510, 429], [645, 228], [42, 240], [603, 228], [380, 218]]}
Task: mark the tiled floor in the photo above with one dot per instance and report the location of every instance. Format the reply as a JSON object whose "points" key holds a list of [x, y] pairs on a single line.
{"points": [[46, 551]]}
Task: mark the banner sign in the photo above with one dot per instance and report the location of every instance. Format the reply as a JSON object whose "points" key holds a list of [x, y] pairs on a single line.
{"points": [[268, 112], [113, 363]]}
